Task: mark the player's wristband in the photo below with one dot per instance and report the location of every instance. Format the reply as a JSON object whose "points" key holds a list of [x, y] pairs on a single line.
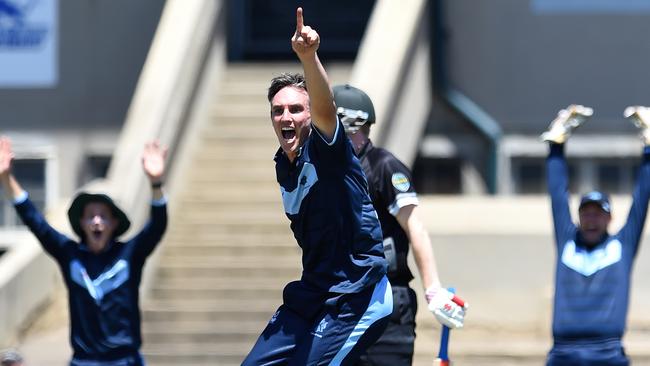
{"points": [[156, 185]]}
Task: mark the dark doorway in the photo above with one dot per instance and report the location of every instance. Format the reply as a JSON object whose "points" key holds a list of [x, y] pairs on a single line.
{"points": [[262, 29]]}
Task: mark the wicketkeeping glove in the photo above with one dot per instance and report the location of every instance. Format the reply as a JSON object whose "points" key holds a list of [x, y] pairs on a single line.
{"points": [[448, 309], [566, 121], [640, 116]]}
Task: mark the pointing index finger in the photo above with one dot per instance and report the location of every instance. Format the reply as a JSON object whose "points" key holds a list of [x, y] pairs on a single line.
{"points": [[299, 20]]}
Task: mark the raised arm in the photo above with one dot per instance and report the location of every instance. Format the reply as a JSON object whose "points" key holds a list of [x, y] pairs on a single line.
{"points": [[305, 43], [49, 238], [557, 175], [153, 165], [557, 172], [12, 189], [633, 227]]}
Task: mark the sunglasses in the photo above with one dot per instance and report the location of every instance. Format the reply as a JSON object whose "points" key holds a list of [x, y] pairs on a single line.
{"points": [[352, 119]]}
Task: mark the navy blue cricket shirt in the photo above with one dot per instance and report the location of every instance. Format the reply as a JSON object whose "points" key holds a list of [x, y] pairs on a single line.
{"points": [[325, 196], [103, 289]]}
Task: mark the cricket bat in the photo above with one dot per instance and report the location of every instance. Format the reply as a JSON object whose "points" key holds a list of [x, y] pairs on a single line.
{"points": [[443, 353]]}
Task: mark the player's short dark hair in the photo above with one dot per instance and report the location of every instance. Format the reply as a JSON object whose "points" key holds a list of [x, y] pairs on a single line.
{"points": [[286, 79]]}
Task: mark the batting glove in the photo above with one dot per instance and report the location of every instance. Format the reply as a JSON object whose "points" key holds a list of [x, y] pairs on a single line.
{"points": [[448, 309], [566, 121], [640, 116]]}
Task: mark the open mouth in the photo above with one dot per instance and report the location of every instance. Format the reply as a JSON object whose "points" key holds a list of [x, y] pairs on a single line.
{"points": [[97, 234], [288, 133]]}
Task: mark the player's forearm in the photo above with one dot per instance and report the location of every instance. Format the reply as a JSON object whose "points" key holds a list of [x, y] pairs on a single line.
{"points": [[320, 94], [557, 173], [424, 257], [642, 189], [422, 250], [556, 169], [11, 186], [638, 211]]}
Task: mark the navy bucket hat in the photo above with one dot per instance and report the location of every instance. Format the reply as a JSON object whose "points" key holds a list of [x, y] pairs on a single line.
{"points": [[82, 199]]}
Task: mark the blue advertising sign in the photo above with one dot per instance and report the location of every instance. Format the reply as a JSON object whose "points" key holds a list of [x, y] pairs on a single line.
{"points": [[28, 43], [591, 6]]}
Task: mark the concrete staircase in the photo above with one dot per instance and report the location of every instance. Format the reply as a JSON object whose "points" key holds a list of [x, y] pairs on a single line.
{"points": [[229, 250]]}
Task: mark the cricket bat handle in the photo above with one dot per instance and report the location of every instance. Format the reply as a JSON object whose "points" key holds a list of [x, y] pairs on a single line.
{"points": [[443, 354]]}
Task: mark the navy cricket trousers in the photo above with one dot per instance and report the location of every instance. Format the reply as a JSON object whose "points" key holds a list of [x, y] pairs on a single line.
{"points": [[609, 352], [337, 335]]}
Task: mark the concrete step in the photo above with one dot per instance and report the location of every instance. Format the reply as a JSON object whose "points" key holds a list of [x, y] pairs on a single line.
{"points": [[230, 211], [210, 270], [263, 149], [259, 260], [260, 149], [231, 250], [241, 283], [262, 152], [264, 174], [231, 113], [203, 332], [244, 192], [217, 353], [181, 239], [154, 314], [165, 293], [220, 217], [260, 163], [203, 207], [338, 72], [232, 228], [265, 198], [244, 129]]}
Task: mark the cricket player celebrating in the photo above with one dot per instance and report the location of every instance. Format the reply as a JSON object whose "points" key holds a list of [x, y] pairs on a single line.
{"points": [[102, 274], [342, 302], [592, 278]]}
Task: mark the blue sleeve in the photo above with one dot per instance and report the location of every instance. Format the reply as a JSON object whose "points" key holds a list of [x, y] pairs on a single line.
{"points": [[631, 231], [146, 241], [52, 241], [557, 175], [327, 151]]}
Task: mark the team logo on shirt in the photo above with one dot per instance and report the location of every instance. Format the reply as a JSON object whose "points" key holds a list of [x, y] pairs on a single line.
{"points": [[274, 318], [320, 329], [108, 281], [400, 182], [590, 262]]}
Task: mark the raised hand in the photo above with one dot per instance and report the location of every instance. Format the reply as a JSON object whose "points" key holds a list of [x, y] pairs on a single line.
{"points": [[567, 120], [6, 156], [305, 40], [640, 116], [153, 161]]}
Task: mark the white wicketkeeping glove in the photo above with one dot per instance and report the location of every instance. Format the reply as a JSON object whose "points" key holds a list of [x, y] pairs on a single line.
{"points": [[640, 116], [447, 311]]}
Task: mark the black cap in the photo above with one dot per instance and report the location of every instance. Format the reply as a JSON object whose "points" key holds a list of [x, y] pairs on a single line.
{"points": [[353, 106], [599, 198], [82, 199]]}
